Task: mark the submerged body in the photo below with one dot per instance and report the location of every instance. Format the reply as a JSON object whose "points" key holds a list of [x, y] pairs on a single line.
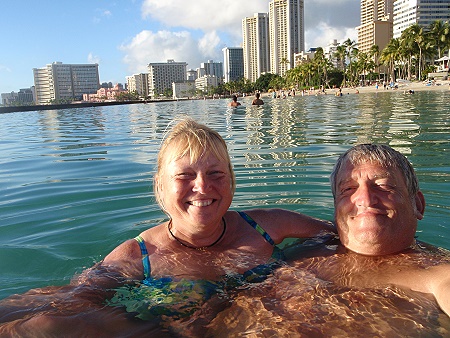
{"points": [[326, 290]]}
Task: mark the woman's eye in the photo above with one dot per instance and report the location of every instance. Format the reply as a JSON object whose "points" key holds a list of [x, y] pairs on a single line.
{"points": [[217, 174]]}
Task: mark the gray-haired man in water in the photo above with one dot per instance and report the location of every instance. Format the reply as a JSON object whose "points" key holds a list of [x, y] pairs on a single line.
{"points": [[378, 204]]}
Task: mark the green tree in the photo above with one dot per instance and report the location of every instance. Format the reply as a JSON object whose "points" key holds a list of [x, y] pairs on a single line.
{"points": [[375, 54], [263, 82], [439, 35], [340, 55]]}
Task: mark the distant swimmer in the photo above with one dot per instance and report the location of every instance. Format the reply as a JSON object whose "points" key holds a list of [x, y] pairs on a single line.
{"points": [[257, 101], [234, 102]]}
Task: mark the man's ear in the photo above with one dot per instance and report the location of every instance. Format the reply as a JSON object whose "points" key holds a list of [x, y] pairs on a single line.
{"points": [[420, 205]]}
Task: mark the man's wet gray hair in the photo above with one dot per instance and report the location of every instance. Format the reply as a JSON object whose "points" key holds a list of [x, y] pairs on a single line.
{"points": [[379, 154]]}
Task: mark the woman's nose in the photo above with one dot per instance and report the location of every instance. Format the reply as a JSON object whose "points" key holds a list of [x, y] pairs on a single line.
{"points": [[201, 184]]}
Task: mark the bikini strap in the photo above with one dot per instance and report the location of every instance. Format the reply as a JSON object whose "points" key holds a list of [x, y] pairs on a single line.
{"points": [[257, 227], [145, 259]]}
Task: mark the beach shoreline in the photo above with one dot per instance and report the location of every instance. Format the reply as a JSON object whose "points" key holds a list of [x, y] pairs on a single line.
{"points": [[439, 85]]}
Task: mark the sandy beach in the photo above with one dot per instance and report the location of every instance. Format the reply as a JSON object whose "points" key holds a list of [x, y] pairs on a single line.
{"points": [[406, 86], [439, 85]]}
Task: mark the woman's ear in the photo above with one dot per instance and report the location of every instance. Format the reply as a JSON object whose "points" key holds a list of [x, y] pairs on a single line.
{"points": [[420, 205]]}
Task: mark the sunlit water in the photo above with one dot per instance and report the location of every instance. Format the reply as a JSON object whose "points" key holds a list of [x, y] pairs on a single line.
{"points": [[77, 182]]}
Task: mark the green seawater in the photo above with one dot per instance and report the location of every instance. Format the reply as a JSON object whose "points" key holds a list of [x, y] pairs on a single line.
{"points": [[74, 183]]}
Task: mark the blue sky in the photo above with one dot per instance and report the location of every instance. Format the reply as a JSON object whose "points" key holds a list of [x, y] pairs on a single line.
{"points": [[124, 36]]}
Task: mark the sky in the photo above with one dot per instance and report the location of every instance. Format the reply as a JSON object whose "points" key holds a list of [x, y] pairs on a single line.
{"points": [[124, 36]]}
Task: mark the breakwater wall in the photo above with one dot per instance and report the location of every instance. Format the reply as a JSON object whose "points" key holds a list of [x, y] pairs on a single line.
{"points": [[12, 109]]}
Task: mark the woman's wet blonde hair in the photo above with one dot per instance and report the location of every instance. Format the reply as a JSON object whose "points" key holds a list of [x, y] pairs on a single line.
{"points": [[189, 138]]}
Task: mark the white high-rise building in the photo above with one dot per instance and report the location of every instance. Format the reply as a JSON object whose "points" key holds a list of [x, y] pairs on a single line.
{"points": [[233, 63], [287, 34], [58, 81], [162, 75], [138, 83], [421, 12], [256, 54]]}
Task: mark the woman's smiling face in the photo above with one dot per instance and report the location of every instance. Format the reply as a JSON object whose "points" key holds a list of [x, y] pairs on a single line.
{"points": [[198, 192]]}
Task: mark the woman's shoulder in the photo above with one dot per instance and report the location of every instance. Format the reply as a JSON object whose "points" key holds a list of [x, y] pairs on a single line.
{"points": [[126, 250]]}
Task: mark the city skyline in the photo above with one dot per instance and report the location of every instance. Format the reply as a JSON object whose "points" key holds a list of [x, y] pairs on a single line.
{"points": [[122, 37]]}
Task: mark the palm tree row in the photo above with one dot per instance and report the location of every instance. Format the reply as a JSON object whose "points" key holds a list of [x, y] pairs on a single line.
{"points": [[411, 56], [416, 50]]}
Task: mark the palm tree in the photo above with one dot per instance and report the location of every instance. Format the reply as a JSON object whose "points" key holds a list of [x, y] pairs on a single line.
{"points": [[350, 46], [414, 36], [440, 35], [390, 55], [375, 54], [284, 65], [322, 64], [340, 54]]}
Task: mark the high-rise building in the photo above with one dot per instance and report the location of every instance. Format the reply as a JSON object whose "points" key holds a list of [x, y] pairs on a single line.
{"points": [[212, 68], [138, 83], [376, 24], [421, 12], [256, 53], [162, 75], [287, 34], [191, 75], [330, 53], [23, 97], [58, 81], [233, 63]]}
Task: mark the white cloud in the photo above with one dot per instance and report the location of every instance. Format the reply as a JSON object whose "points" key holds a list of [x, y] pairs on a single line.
{"points": [[209, 43], [148, 46], [93, 58], [4, 69], [196, 31], [323, 34], [206, 15]]}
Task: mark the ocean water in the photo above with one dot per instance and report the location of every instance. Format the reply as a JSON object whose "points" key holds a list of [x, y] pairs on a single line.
{"points": [[74, 183]]}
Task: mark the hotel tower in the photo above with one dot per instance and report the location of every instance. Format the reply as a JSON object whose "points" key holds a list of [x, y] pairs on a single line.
{"points": [[255, 32], [421, 12], [376, 24], [287, 35]]}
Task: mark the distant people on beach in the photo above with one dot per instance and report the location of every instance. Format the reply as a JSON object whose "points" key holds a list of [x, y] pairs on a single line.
{"points": [[234, 102], [257, 101]]}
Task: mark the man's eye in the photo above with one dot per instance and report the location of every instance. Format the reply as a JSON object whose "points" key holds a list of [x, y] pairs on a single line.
{"points": [[347, 189], [385, 187], [184, 175]]}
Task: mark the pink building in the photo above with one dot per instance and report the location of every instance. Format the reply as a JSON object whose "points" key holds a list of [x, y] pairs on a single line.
{"points": [[104, 94]]}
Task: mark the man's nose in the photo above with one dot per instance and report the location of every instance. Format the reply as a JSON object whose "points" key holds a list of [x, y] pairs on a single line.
{"points": [[364, 195]]}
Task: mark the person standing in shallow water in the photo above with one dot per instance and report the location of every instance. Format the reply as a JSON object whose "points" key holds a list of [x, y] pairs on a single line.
{"points": [[257, 101], [234, 102]]}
